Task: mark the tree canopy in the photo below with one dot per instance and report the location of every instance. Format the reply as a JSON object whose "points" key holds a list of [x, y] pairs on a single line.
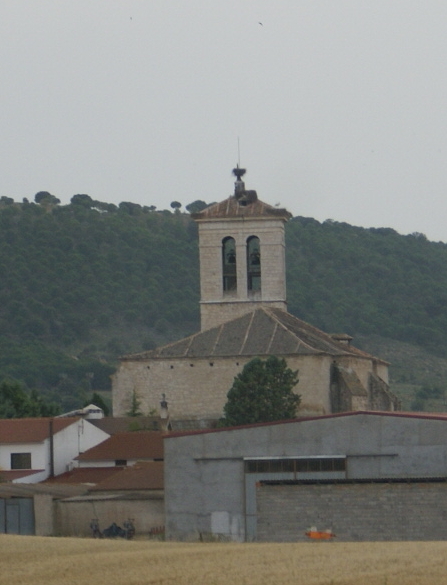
{"points": [[16, 402], [85, 282], [262, 392]]}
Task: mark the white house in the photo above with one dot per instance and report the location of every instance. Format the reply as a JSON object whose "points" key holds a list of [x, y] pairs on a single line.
{"points": [[124, 449], [33, 449]]}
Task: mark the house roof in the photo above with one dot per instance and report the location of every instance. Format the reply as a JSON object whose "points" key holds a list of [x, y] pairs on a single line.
{"points": [[29, 489], [441, 416], [232, 208], [263, 332], [84, 475], [13, 474], [31, 430], [144, 475], [125, 446]]}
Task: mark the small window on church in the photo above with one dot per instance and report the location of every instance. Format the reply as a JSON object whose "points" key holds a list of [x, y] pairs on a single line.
{"points": [[229, 264], [253, 264]]}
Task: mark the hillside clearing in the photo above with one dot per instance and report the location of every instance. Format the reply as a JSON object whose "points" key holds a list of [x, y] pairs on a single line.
{"points": [[52, 561]]}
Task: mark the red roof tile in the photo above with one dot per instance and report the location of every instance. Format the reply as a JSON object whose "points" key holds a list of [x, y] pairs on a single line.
{"points": [[81, 475], [144, 475], [124, 446], [12, 474], [30, 430]]}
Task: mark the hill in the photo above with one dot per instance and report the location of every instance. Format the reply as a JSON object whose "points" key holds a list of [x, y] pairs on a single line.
{"points": [[85, 282]]}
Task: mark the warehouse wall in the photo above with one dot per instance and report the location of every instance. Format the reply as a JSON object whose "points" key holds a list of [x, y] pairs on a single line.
{"points": [[353, 511]]}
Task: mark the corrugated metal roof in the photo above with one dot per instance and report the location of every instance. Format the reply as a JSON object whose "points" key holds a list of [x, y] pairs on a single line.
{"points": [[262, 332], [125, 446], [31, 430]]}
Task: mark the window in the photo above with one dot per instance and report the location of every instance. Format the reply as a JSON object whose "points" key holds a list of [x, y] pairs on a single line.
{"points": [[229, 264], [121, 462], [253, 264], [296, 466], [20, 460]]}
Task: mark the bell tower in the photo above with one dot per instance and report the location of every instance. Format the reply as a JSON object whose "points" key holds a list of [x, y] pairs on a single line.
{"points": [[242, 256]]}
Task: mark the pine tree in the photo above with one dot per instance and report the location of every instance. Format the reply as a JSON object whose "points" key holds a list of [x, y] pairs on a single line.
{"points": [[262, 392]]}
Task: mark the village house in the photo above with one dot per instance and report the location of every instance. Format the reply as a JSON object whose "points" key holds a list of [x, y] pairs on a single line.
{"points": [[122, 479], [33, 449]]}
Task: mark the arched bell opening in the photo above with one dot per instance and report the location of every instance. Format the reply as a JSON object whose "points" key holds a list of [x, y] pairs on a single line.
{"points": [[229, 265]]}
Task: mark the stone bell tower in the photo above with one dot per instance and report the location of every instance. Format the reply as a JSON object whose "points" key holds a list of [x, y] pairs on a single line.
{"points": [[242, 256]]}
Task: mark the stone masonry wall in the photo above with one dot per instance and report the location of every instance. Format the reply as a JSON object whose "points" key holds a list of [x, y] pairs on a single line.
{"points": [[353, 511], [273, 289], [198, 388]]}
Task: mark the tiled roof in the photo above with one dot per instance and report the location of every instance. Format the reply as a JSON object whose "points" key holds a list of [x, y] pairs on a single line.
{"points": [[85, 475], [12, 474], [26, 490], [144, 475], [31, 430], [125, 446], [231, 208], [262, 332]]}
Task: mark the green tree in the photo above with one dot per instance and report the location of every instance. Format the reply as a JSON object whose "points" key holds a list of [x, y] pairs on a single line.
{"points": [[196, 206], [135, 404], [45, 198], [262, 392], [176, 206], [16, 402], [82, 199]]}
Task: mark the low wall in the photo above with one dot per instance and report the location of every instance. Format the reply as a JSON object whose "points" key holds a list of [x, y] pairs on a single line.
{"points": [[73, 515], [44, 514]]}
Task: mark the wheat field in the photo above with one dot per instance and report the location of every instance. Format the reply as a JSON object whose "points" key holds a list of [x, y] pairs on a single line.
{"points": [[31, 560]]}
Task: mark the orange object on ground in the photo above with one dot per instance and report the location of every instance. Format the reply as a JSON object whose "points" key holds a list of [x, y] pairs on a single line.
{"points": [[320, 534]]}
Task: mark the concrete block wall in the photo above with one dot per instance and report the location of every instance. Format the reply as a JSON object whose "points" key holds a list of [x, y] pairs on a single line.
{"points": [[354, 512]]}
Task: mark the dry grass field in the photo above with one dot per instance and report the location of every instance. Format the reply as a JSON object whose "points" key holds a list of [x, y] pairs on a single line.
{"points": [[31, 560]]}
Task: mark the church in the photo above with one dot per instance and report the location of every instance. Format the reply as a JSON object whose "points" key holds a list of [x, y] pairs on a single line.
{"points": [[243, 311]]}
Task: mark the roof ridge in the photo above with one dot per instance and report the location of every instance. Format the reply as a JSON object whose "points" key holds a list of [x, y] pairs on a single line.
{"points": [[345, 350], [275, 329], [156, 352], [252, 315], [188, 345], [219, 333], [278, 321]]}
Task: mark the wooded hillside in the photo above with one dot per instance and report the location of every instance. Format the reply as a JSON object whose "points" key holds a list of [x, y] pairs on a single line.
{"points": [[85, 282]]}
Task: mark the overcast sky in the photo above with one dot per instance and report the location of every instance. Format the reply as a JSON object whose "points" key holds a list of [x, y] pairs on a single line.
{"points": [[340, 106]]}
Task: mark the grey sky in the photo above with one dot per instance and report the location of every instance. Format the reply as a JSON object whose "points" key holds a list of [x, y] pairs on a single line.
{"points": [[340, 105]]}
